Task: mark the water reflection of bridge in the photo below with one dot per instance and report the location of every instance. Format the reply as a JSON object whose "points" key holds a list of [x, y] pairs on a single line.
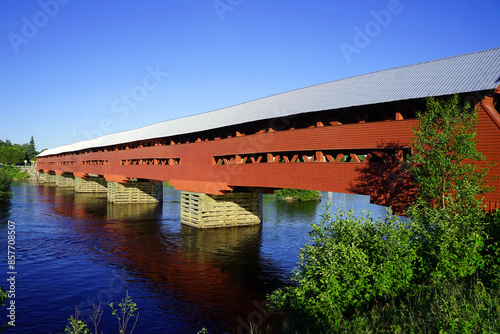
{"points": [[212, 271]]}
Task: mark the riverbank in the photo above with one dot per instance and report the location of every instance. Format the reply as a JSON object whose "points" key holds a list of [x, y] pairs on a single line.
{"points": [[31, 171], [20, 173]]}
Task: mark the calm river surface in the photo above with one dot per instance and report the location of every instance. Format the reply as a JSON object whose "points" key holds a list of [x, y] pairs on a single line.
{"points": [[78, 250]]}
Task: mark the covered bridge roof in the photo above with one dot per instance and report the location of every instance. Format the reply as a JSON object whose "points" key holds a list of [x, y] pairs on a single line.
{"points": [[460, 74]]}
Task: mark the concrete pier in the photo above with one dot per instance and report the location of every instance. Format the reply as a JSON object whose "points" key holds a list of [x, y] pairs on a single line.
{"points": [[140, 191], [136, 211], [212, 211], [65, 181], [91, 184], [47, 178]]}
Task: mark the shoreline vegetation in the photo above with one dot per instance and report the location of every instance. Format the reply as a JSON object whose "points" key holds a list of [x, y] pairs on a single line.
{"points": [[9, 174], [5, 182], [12, 155], [291, 195]]}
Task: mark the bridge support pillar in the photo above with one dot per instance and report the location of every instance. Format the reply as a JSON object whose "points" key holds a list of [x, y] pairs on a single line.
{"points": [[209, 211], [65, 180], [141, 191], [91, 184], [47, 178]]}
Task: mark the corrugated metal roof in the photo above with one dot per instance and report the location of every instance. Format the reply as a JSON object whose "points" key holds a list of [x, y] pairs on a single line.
{"points": [[460, 74]]}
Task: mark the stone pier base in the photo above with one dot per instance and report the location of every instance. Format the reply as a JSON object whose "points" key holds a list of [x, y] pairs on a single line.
{"points": [[47, 178], [91, 184], [143, 191], [135, 211], [210, 211], [65, 181]]}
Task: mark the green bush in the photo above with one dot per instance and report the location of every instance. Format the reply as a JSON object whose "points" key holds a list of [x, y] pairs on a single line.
{"points": [[350, 262], [360, 275], [14, 172], [491, 251], [5, 181], [450, 245], [124, 313], [298, 194]]}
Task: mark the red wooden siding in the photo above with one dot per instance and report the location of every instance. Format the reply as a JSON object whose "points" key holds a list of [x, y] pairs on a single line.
{"points": [[259, 160]]}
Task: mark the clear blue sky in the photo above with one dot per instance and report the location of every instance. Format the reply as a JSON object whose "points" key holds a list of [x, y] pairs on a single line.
{"points": [[108, 66]]}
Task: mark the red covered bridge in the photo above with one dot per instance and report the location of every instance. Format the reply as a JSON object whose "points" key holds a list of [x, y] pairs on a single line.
{"points": [[348, 136]]}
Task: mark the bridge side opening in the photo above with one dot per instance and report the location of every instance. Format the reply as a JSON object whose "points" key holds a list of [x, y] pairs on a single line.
{"points": [[151, 162], [382, 155]]}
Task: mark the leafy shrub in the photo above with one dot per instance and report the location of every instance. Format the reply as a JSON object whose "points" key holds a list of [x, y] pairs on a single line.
{"points": [[125, 311], [350, 262], [15, 173], [450, 244], [491, 253], [5, 181]]}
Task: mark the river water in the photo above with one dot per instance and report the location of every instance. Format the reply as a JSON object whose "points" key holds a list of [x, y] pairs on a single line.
{"points": [[78, 250]]}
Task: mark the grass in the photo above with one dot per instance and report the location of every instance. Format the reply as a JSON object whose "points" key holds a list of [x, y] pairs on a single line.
{"points": [[452, 307]]}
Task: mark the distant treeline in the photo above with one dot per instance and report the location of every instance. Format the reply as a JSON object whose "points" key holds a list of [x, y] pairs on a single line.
{"points": [[15, 154]]}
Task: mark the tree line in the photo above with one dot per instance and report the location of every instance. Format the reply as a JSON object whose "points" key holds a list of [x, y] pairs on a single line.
{"points": [[16, 154]]}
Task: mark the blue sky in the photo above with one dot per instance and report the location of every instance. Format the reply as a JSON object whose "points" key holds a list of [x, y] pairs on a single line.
{"points": [[74, 69]]}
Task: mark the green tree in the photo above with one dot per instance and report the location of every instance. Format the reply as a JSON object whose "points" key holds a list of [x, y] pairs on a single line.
{"points": [[30, 152], [443, 153], [5, 181], [448, 211], [12, 155]]}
